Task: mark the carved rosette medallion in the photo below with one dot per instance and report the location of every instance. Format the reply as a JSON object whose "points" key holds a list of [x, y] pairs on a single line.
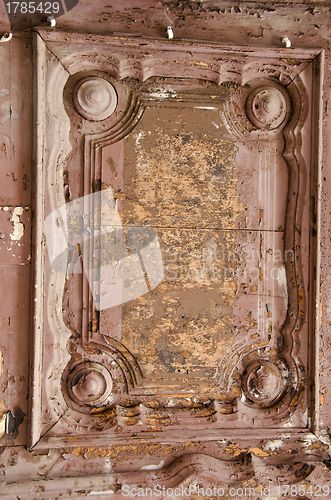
{"points": [[95, 98], [263, 383], [89, 384], [267, 107]]}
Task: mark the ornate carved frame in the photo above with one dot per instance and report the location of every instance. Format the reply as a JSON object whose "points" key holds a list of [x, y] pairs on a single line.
{"points": [[255, 73]]}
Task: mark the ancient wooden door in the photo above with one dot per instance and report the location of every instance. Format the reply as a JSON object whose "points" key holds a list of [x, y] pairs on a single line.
{"points": [[175, 263]]}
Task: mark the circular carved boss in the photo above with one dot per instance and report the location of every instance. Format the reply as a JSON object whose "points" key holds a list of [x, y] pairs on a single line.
{"points": [[89, 383], [268, 106], [95, 98], [263, 382]]}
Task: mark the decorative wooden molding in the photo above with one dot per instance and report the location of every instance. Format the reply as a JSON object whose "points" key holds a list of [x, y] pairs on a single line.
{"points": [[89, 389], [253, 7]]}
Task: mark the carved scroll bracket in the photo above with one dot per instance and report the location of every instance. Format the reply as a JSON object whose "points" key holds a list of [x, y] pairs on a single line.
{"points": [[258, 110]]}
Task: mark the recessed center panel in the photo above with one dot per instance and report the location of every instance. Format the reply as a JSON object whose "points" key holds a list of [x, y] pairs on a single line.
{"points": [[182, 184]]}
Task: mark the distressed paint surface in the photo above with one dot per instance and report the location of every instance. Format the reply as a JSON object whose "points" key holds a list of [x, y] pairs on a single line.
{"points": [[187, 179], [179, 171], [255, 379], [15, 235], [307, 24]]}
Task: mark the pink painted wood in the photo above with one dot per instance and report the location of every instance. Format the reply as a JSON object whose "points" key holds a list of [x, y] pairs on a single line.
{"points": [[207, 161]]}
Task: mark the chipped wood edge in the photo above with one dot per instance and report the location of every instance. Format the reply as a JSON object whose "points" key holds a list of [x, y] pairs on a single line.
{"points": [[317, 160], [39, 61], [182, 45]]}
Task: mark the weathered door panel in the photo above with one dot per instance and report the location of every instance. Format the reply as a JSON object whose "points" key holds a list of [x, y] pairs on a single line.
{"points": [[173, 335], [185, 194]]}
